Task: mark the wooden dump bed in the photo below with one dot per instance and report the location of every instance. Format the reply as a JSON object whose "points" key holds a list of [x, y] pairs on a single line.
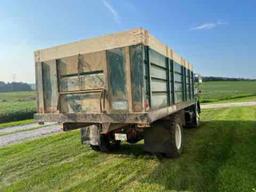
{"points": [[127, 77]]}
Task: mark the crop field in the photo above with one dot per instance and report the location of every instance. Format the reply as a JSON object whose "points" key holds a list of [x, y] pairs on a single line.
{"points": [[216, 91], [218, 156], [17, 105]]}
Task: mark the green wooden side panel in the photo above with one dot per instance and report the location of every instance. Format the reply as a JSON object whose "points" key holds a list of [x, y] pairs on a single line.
{"points": [[172, 96], [159, 100], [169, 82], [147, 78], [158, 72], [158, 85], [159, 80], [178, 83], [157, 58], [137, 78], [188, 80], [184, 75], [117, 79]]}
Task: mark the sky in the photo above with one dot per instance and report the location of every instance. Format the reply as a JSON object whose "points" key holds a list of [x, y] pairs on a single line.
{"points": [[218, 37]]}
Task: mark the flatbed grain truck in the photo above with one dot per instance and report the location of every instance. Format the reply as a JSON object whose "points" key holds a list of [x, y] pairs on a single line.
{"points": [[124, 86]]}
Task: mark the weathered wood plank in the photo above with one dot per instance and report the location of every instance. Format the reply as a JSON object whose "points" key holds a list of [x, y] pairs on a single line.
{"points": [[128, 78], [137, 74], [116, 40], [39, 87], [107, 42]]}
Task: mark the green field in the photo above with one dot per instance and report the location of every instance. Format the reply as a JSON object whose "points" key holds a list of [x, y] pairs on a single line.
{"points": [[218, 156], [215, 91], [17, 105]]}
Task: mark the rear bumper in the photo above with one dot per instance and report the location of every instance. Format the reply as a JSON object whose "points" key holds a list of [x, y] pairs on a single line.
{"points": [[92, 118], [117, 118]]}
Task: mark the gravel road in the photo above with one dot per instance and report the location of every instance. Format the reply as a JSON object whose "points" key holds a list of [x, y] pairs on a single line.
{"points": [[23, 127], [19, 133], [226, 105]]}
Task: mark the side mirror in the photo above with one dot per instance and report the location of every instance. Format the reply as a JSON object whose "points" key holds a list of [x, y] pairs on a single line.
{"points": [[198, 79]]}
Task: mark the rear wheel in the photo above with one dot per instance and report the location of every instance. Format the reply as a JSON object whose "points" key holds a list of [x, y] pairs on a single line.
{"points": [[176, 134], [165, 137]]}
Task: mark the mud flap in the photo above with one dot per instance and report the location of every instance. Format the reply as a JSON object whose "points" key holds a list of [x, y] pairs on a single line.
{"points": [[90, 135], [157, 138]]}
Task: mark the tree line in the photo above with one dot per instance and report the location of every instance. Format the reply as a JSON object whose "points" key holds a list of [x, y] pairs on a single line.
{"points": [[14, 86], [211, 78]]}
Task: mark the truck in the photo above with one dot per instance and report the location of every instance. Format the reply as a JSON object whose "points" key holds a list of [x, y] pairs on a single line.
{"points": [[126, 86]]}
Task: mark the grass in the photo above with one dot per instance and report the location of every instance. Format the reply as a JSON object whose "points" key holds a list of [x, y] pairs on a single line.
{"points": [[228, 91], [17, 106], [219, 156], [16, 123]]}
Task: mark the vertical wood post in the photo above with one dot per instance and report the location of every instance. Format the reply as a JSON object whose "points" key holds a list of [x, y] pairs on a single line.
{"points": [[128, 78], [39, 87], [148, 67]]}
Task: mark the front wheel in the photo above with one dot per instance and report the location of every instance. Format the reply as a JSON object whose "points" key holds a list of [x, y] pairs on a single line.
{"points": [[194, 121]]}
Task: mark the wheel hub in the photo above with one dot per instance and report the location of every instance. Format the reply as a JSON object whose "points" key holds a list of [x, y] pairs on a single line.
{"points": [[178, 136]]}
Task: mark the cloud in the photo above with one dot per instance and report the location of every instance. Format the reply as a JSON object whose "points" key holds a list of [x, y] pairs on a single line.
{"points": [[208, 26], [113, 11]]}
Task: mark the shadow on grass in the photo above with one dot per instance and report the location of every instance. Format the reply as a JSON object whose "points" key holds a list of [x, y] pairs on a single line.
{"points": [[135, 150], [211, 153]]}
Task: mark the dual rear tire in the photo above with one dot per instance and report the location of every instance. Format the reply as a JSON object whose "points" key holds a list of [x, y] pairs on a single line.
{"points": [[165, 137], [176, 137]]}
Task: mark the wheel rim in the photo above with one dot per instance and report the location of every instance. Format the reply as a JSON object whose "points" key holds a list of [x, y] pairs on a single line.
{"points": [[178, 137]]}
